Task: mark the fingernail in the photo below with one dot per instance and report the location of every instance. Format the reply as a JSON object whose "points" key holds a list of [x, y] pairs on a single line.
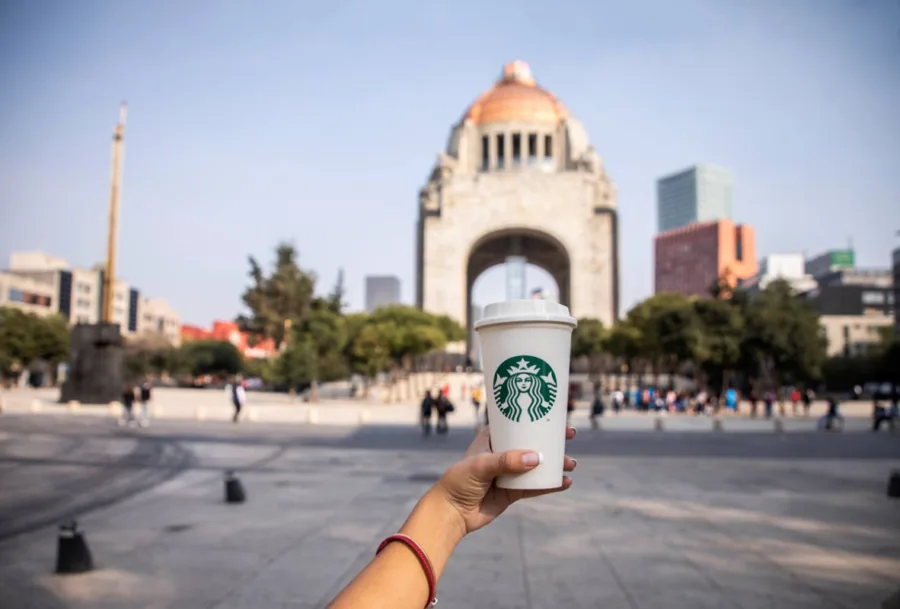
{"points": [[574, 431], [532, 459], [574, 463]]}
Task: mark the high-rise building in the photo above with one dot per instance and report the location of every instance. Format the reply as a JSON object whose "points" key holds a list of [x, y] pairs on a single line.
{"points": [[698, 194], [515, 277], [786, 267], [382, 291], [689, 260]]}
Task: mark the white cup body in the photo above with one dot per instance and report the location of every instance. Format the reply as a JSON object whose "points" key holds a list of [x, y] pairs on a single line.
{"points": [[526, 370]]}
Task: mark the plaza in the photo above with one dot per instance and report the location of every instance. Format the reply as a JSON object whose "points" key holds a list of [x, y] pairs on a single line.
{"points": [[679, 519]]}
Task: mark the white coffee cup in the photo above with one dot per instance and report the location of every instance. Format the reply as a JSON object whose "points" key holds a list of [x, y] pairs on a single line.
{"points": [[525, 351]]}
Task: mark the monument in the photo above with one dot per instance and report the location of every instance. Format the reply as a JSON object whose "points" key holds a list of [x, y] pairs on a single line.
{"points": [[518, 178], [96, 356]]}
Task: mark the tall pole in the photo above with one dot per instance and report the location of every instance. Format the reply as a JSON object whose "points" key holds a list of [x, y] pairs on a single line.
{"points": [[109, 279]]}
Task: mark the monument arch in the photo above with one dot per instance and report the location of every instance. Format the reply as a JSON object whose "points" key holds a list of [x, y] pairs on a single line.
{"points": [[518, 177]]}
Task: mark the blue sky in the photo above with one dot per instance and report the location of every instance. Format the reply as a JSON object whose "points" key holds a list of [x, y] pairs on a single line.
{"points": [[254, 122]]}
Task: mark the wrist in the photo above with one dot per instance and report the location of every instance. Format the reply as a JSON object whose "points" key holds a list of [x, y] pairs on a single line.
{"points": [[437, 526]]}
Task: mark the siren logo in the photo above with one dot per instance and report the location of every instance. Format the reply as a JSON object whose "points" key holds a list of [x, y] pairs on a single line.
{"points": [[525, 384]]}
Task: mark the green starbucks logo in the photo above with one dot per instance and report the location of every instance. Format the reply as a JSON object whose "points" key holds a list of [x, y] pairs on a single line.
{"points": [[525, 383]]}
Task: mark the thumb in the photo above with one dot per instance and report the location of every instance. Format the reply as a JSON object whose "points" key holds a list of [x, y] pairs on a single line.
{"points": [[490, 465]]}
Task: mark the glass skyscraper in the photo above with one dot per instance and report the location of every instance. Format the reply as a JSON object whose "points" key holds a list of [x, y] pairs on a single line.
{"points": [[699, 194]]}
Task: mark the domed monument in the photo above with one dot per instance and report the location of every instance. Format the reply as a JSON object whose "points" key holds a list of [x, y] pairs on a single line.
{"points": [[518, 178]]}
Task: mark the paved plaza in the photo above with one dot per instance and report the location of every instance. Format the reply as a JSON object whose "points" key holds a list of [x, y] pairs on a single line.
{"points": [[681, 519]]}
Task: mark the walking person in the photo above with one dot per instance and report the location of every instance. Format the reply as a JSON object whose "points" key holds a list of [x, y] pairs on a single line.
{"points": [[770, 403], [425, 411], [597, 408], [618, 400], [146, 388], [833, 414], [444, 407], [795, 402], [238, 397], [128, 406], [476, 402], [808, 396]]}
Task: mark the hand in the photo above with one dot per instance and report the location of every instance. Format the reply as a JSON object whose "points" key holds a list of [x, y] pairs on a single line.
{"points": [[469, 484]]}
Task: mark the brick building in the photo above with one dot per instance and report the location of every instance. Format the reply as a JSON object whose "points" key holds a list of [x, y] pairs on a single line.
{"points": [[691, 258]]}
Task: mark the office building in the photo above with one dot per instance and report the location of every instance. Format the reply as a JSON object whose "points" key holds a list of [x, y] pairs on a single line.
{"points": [[786, 267], [698, 194], [852, 317], [830, 261], [690, 259], [44, 285], [382, 291]]}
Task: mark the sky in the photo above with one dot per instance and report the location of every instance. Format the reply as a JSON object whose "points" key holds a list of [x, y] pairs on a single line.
{"points": [[252, 123]]}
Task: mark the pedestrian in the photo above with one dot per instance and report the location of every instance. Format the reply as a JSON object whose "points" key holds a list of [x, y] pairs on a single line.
{"points": [[146, 388], [476, 402], [754, 403], [808, 396], [425, 411], [128, 405], [444, 407], [597, 408], [731, 400], [795, 401], [833, 414], [880, 414], [618, 400], [770, 403], [238, 396]]}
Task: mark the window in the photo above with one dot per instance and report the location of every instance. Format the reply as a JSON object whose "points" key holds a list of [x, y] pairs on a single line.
{"points": [[873, 298], [532, 147], [501, 151], [738, 244], [548, 146], [16, 296], [485, 153], [516, 149]]}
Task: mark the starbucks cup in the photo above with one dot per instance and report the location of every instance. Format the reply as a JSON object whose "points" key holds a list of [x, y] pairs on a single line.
{"points": [[525, 348]]}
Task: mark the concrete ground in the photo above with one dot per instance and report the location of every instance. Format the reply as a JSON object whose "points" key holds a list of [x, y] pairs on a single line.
{"points": [[654, 520]]}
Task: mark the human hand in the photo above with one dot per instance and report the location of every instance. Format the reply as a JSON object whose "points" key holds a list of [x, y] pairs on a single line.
{"points": [[469, 486]]}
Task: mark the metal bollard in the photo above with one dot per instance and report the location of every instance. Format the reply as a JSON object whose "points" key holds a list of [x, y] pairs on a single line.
{"points": [[778, 425], [717, 424], [36, 405], [200, 413], [73, 406], [72, 552], [234, 490], [312, 416], [658, 424]]}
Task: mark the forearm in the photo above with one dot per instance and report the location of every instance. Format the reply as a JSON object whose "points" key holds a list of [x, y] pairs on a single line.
{"points": [[395, 579]]}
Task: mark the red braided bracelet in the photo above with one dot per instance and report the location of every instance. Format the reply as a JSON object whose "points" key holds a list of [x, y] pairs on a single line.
{"points": [[423, 560]]}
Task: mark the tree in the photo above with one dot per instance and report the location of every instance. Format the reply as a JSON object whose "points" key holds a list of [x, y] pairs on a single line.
{"points": [[218, 358], [27, 339], [722, 328], [624, 341], [589, 340], [296, 364], [782, 340], [278, 300]]}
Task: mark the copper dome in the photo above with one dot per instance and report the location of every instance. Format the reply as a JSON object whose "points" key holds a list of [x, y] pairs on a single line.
{"points": [[516, 97]]}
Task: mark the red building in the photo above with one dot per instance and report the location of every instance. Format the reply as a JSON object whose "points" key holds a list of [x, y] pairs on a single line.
{"points": [[229, 331], [691, 258]]}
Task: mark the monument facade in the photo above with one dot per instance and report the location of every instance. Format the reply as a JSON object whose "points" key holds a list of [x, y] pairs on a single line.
{"points": [[519, 177]]}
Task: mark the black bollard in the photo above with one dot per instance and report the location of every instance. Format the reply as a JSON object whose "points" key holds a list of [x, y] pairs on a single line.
{"points": [[72, 552], [234, 490], [893, 489]]}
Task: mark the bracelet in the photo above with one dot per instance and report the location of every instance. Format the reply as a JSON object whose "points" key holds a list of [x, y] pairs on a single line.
{"points": [[423, 560]]}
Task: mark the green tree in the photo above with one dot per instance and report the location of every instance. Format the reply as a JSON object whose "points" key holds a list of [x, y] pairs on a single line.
{"points": [[782, 341], [624, 341], [219, 358], [589, 341], [296, 364], [722, 328], [279, 299], [26, 339]]}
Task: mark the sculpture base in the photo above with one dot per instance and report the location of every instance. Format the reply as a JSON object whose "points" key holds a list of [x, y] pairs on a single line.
{"points": [[96, 373]]}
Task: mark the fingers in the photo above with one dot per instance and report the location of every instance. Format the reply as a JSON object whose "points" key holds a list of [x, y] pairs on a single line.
{"points": [[570, 432], [488, 466], [569, 464]]}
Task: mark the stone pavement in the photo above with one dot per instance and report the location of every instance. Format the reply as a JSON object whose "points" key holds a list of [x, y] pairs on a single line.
{"points": [[213, 405], [634, 532]]}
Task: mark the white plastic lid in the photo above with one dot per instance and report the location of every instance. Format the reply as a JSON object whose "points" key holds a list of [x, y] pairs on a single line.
{"points": [[515, 311]]}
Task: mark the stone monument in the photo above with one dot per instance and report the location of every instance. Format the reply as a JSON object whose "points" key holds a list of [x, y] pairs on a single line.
{"points": [[518, 178]]}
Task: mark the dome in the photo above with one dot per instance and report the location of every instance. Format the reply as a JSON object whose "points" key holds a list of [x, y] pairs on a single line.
{"points": [[516, 97]]}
